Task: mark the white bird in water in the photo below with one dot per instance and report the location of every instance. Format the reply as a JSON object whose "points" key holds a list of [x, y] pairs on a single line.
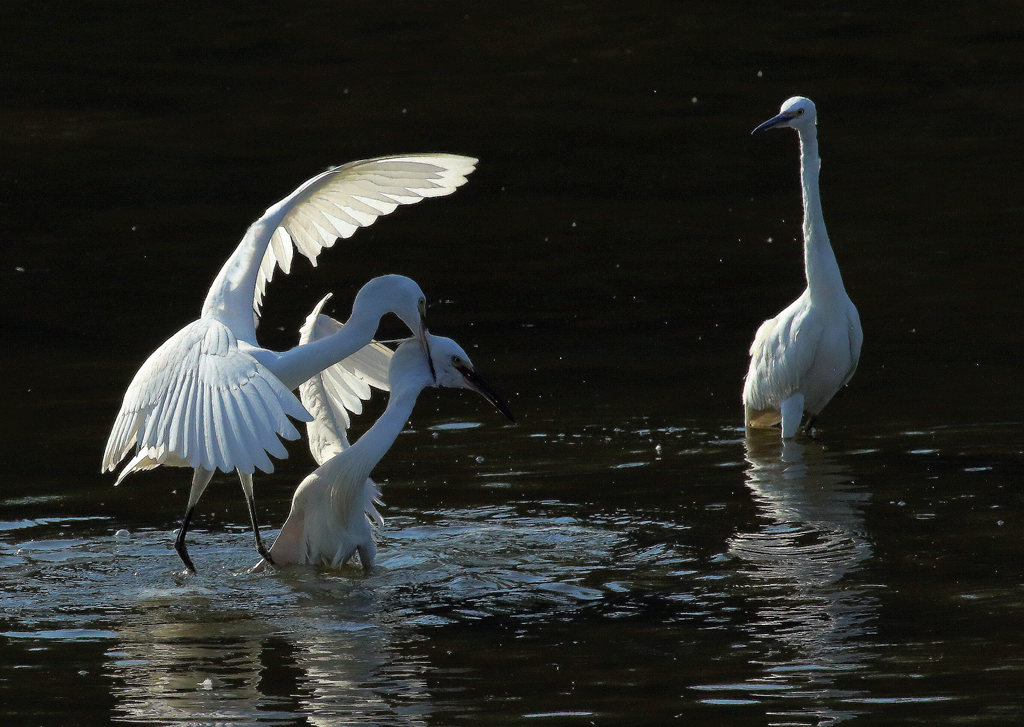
{"points": [[800, 358], [211, 397], [333, 511]]}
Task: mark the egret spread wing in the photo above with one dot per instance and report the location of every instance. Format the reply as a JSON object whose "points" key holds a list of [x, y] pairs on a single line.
{"points": [[340, 389], [340, 201], [199, 400]]}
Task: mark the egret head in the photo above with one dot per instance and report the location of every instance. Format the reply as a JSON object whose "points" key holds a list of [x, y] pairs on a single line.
{"points": [[796, 113], [450, 367], [399, 295]]}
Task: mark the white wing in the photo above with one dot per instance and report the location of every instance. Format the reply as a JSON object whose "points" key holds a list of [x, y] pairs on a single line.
{"points": [[856, 340], [781, 354], [330, 205], [199, 400], [338, 202], [340, 389]]}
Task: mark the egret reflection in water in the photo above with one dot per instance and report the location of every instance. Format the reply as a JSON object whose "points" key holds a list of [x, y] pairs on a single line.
{"points": [[177, 658], [814, 624]]}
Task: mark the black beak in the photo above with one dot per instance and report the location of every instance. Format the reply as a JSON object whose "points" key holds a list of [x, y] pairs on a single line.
{"points": [[424, 339], [476, 382], [772, 122]]}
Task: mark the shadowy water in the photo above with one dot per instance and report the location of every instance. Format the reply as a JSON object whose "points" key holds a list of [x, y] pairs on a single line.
{"points": [[625, 554], [669, 573]]}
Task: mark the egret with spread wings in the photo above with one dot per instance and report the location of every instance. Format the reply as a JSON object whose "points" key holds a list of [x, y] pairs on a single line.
{"points": [[210, 397], [334, 510]]}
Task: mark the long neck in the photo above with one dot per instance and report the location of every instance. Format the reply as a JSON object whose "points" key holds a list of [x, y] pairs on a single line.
{"points": [[230, 298], [377, 440], [347, 492], [820, 266], [298, 364]]}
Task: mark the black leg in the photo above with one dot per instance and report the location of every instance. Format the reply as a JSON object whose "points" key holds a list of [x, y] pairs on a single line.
{"points": [[251, 501], [179, 543]]}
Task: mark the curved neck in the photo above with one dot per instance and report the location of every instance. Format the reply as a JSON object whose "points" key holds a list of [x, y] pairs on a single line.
{"points": [[820, 266], [352, 467], [298, 364], [370, 448], [230, 299]]}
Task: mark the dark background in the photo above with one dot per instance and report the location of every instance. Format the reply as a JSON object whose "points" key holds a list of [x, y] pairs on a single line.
{"points": [[606, 266], [611, 252]]}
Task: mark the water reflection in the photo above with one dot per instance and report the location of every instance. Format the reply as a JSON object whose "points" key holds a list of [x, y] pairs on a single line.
{"points": [[812, 623], [330, 646], [181, 654]]}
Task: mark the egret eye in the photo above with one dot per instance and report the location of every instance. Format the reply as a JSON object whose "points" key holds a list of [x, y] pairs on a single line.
{"points": [[456, 361], [799, 112]]}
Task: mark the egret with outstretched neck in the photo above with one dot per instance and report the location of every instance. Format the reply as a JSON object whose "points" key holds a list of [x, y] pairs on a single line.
{"points": [[333, 511], [800, 358], [210, 397]]}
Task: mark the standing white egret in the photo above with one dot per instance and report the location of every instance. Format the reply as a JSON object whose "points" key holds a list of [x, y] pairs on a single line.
{"points": [[800, 358], [334, 509], [210, 397]]}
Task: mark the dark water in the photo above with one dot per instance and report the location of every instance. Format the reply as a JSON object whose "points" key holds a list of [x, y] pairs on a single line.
{"points": [[624, 554]]}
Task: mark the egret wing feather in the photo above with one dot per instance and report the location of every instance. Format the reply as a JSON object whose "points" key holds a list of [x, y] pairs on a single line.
{"points": [[193, 403], [782, 353], [338, 202], [339, 389], [856, 340]]}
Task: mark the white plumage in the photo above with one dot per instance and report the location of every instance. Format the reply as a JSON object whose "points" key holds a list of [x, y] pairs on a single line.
{"points": [[210, 397], [333, 512], [800, 358], [340, 389]]}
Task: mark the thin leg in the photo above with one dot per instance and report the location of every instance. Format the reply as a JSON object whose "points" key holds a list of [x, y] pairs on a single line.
{"points": [[792, 413], [179, 542], [200, 479], [366, 555], [251, 502]]}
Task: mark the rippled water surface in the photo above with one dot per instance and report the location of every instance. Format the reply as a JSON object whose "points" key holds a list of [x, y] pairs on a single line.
{"points": [[676, 573], [624, 554]]}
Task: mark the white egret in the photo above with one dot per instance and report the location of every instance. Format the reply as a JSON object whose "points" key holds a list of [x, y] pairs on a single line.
{"points": [[334, 510], [210, 397], [800, 358]]}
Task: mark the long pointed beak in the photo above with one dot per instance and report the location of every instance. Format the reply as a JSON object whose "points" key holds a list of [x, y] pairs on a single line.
{"points": [[477, 383], [423, 336], [772, 122]]}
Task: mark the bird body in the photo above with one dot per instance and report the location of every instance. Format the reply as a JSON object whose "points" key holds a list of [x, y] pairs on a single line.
{"points": [[338, 522], [210, 397], [334, 510], [800, 358]]}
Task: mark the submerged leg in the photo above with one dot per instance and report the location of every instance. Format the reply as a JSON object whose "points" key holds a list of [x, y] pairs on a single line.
{"points": [[367, 552], [792, 413], [251, 502], [200, 479]]}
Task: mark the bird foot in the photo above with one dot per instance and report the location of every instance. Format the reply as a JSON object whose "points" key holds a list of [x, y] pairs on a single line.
{"points": [[265, 554], [190, 569]]}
